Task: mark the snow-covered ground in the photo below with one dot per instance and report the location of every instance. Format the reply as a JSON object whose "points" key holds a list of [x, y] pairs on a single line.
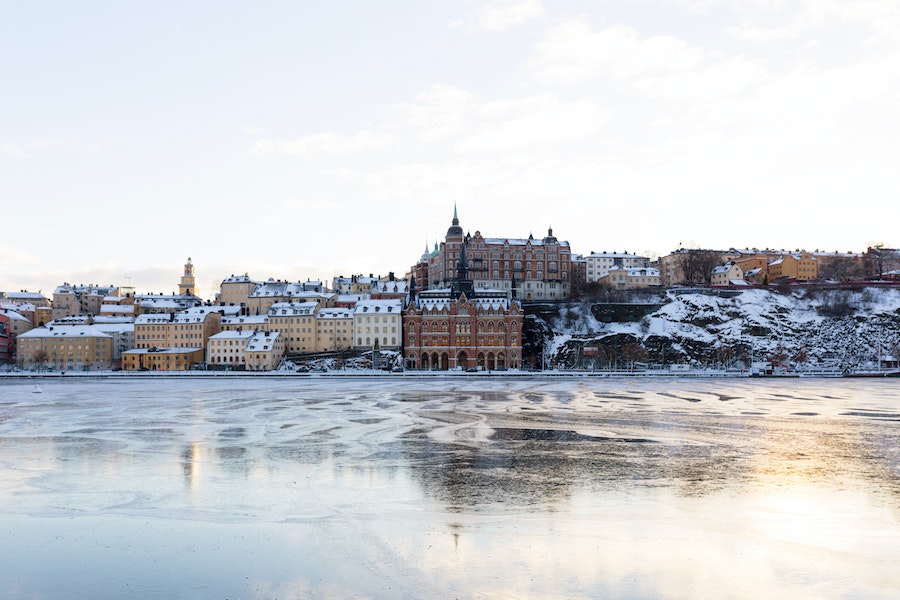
{"points": [[449, 487]]}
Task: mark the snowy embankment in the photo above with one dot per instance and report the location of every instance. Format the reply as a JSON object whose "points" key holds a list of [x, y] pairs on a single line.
{"points": [[843, 328]]}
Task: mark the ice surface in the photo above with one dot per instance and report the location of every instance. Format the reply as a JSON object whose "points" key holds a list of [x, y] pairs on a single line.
{"points": [[449, 487]]}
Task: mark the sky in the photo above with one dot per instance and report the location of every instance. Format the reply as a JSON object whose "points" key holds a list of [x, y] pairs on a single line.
{"points": [[304, 140]]}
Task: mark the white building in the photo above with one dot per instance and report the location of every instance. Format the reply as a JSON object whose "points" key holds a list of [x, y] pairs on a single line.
{"points": [[598, 263], [228, 348], [378, 320]]}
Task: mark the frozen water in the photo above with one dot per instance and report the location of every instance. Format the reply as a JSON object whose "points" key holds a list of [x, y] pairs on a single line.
{"points": [[445, 487]]}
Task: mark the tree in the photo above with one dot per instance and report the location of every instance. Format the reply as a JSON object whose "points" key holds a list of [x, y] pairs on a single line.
{"points": [[39, 358]]}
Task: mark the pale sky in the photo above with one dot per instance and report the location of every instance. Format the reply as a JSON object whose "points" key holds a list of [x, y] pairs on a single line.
{"points": [[301, 140]]}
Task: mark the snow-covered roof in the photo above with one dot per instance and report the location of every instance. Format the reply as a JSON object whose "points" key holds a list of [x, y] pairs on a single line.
{"points": [[70, 331], [246, 320], [615, 255], [116, 308], [240, 279], [18, 306], [262, 341], [25, 296], [519, 241], [283, 289], [378, 306], [293, 308], [334, 313], [113, 320], [152, 319], [390, 287], [13, 315], [232, 335]]}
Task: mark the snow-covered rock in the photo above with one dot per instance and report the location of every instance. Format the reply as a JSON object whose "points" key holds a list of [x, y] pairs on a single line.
{"points": [[839, 327]]}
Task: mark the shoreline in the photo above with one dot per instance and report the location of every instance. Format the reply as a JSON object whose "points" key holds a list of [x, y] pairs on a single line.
{"points": [[699, 374]]}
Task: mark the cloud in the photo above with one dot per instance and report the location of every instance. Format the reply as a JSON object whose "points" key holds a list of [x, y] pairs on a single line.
{"points": [[321, 144], [447, 114], [439, 112], [573, 52], [500, 15], [38, 146], [16, 150], [532, 123]]}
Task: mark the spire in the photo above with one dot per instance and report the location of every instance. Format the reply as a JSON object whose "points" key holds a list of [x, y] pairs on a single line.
{"points": [[455, 231]]}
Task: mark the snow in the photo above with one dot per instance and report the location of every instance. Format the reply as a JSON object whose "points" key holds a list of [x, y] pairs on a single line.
{"points": [[841, 327]]}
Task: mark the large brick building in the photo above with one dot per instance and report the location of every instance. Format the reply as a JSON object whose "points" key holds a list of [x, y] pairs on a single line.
{"points": [[527, 268], [462, 327]]}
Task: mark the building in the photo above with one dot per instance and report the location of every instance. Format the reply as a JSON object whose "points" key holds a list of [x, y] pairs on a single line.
{"points": [[462, 327], [72, 300], [188, 284], [251, 322], [690, 266], [625, 278], [162, 359], [164, 303], [728, 274], [389, 289], [228, 349], [528, 268], [355, 284], [276, 291], [34, 298], [800, 266], [378, 321], [265, 351], [236, 290], [599, 263], [189, 328], [18, 323], [296, 322], [73, 348], [334, 329], [7, 340]]}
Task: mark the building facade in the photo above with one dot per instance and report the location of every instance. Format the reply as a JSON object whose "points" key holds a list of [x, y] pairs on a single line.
{"points": [[74, 348], [528, 268], [599, 263], [264, 351], [378, 321]]}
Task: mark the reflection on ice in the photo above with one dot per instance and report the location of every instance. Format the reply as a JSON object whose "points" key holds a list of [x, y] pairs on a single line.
{"points": [[443, 487]]}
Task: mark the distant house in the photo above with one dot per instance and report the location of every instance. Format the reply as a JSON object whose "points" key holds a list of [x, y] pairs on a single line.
{"points": [[622, 278], [264, 351], [729, 274]]}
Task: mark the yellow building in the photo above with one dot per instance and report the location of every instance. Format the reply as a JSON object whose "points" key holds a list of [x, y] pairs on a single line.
{"points": [[272, 292], [190, 328], [801, 266], [236, 290], [334, 329], [188, 284], [161, 359], [621, 278], [726, 275], [73, 348], [296, 322]]}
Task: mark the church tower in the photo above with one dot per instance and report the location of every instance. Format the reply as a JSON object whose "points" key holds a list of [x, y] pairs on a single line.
{"points": [[188, 286]]}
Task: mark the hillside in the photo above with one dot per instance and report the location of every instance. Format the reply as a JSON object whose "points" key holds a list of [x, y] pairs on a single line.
{"points": [[838, 327]]}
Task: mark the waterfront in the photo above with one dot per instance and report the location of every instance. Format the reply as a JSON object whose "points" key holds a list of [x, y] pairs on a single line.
{"points": [[449, 487]]}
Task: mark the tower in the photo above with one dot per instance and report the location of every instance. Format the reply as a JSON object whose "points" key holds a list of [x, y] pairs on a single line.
{"points": [[188, 286]]}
